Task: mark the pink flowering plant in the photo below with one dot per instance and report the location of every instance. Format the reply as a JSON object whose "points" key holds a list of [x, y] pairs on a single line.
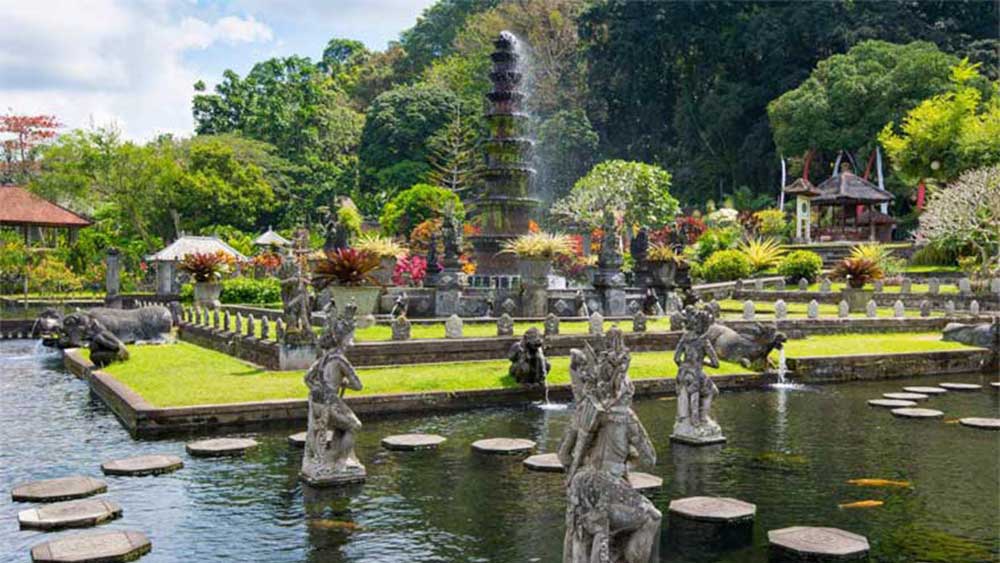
{"points": [[409, 271]]}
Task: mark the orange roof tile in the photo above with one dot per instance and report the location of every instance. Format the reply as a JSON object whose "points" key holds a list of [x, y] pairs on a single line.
{"points": [[18, 206]]}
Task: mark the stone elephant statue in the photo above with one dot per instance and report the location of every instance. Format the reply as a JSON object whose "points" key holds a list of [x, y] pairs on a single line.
{"points": [[750, 346], [77, 329], [983, 335]]}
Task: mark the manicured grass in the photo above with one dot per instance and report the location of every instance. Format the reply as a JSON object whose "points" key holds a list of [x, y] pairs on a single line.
{"points": [[930, 269], [183, 374], [850, 344]]}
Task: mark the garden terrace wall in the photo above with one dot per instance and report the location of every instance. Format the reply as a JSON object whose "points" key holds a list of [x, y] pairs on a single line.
{"points": [[882, 299], [17, 328], [264, 353], [888, 366]]}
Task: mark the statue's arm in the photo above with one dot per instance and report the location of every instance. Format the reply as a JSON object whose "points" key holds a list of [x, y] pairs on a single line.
{"points": [[351, 379], [679, 351], [639, 439], [710, 355]]}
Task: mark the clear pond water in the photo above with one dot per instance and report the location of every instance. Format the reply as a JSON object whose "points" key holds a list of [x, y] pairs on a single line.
{"points": [[790, 452]]}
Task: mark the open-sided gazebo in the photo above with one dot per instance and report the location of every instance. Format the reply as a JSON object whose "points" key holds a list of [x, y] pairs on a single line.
{"points": [[840, 203], [32, 214]]}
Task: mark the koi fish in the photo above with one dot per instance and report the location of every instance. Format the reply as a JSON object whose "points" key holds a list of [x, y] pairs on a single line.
{"points": [[879, 483], [334, 525], [862, 504]]}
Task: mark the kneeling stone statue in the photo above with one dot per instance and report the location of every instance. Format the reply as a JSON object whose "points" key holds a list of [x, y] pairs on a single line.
{"points": [[695, 391], [528, 365], [332, 462]]}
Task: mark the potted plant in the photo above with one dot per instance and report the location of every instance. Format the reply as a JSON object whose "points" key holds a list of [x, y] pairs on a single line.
{"points": [[207, 270], [535, 253], [857, 271], [386, 249], [347, 273], [663, 261]]}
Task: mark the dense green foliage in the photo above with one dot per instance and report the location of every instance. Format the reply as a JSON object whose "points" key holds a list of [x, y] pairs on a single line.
{"points": [[639, 193], [726, 265], [800, 264], [251, 291], [414, 206]]}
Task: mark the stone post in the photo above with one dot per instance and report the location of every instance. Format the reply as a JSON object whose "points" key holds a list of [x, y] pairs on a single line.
{"points": [[758, 284], [279, 330], [871, 309], [826, 286], [878, 286], [812, 311], [639, 322], [974, 307], [453, 327], [401, 328], [226, 322], [596, 324], [964, 286], [843, 310], [995, 285], [215, 318], [803, 284], [780, 310], [898, 309], [251, 322], [534, 286], [780, 286], [505, 325], [933, 286], [551, 325], [112, 278], [905, 285], [748, 310], [265, 328], [238, 329], [165, 278], [925, 308]]}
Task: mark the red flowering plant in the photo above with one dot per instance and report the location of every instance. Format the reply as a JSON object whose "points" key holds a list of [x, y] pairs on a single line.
{"points": [[267, 261], [345, 266], [206, 266], [409, 271]]}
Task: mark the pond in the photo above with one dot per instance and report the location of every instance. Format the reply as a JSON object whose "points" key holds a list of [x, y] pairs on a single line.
{"points": [[791, 452]]}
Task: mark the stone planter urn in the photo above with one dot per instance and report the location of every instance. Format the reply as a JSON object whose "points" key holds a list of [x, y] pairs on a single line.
{"points": [[857, 299], [535, 281], [663, 273], [383, 275], [364, 296], [206, 294]]}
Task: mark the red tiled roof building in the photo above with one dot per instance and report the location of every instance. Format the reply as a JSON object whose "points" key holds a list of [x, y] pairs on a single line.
{"points": [[22, 209]]}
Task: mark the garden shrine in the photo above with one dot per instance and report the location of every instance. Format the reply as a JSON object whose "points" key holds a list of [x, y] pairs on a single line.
{"points": [[845, 209]]}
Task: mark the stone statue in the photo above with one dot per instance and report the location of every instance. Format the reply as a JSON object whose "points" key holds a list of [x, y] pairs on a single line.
{"points": [[451, 236], [296, 307], [983, 335], [651, 303], [528, 365], [580, 303], [77, 329], [610, 258], [105, 347], [401, 306], [332, 462], [433, 267], [695, 391], [491, 303], [335, 234], [639, 246], [606, 519], [505, 325], [750, 346]]}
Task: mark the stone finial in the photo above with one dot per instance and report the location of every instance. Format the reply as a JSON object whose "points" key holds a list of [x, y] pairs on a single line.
{"points": [[748, 310], [949, 307], [812, 310], [898, 309], [639, 322], [871, 309], [925, 308], [551, 325], [878, 286], [238, 324], [453, 327], [215, 318], [505, 325], [780, 284], [401, 328], [265, 328], [974, 307], [596, 323], [780, 310], [905, 286], [279, 330], [251, 329], [758, 284], [964, 286], [843, 310], [933, 286], [803, 284], [366, 321], [826, 286], [226, 322]]}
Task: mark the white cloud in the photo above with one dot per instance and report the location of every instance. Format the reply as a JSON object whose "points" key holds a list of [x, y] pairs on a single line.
{"points": [[109, 60]]}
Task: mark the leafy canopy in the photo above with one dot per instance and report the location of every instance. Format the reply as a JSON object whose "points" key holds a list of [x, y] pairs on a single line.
{"points": [[415, 205], [637, 192]]}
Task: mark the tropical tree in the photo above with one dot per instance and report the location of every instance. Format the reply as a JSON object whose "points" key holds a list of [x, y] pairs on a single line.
{"points": [[455, 158], [415, 205], [21, 138], [638, 193]]}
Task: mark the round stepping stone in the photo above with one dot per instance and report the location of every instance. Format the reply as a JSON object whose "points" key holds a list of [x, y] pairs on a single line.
{"points": [[961, 386], [299, 439], [982, 423], [713, 509], [644, 481], [926, 390], [69, 514], [891, 403], [806, 543], [114, 546], [503, 446], [995, 384], [917, 413], [63, 488], [217, 447], [138, 466], [906, 396], [410, 442], [544, 462]]}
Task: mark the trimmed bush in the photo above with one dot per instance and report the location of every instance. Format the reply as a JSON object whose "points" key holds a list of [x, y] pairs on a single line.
{"points": [[250, 291], [771, 222], [801, 264], [714, 240], [726, 265]]}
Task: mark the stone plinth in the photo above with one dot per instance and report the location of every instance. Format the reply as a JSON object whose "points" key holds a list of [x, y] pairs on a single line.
{"points": [[906, 396], [960, 386], [295, 356], [891, 403], [329, 477], [926, 390], [218, 447], [704, 435], [410, 442], [62, 488], [155, 464], [503, 446], [69, 514], [981, 423], [711, 520], [644, 481], [917, 413], [544, 462], [814, 545], [299, 438], [106, 547]]}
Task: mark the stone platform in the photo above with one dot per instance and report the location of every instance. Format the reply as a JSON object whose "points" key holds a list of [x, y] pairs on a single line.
{"points": [[926, 390], [960, 386], [155, 464], [411, 442], [906, 396], [917, 413], [891, 403], [981, 423], [299, 438], [544, 462], [62, 488], [69, 514], [218, 447], [503, 446], [105, 547], [711, 520], [815, 545], [644, 481]]}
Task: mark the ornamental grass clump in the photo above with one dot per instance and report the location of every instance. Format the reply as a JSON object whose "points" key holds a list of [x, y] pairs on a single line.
{"points": [[206, 266], [662, 252], [763, 253], [539, 245], [857, 271], [344, 266], [380, 246]]}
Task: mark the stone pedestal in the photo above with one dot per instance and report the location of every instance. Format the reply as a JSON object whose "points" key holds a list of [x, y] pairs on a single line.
{"points": [[295, 356], [711, 521], [165, 274], [610, 284], [322, 476], [703, 435], [815, 545], [857, 299], [112, 278], [449, 292]]}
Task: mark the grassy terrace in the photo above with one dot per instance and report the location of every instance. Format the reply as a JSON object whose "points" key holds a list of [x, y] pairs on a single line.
{"points": [[851, 344], [183, 374]]}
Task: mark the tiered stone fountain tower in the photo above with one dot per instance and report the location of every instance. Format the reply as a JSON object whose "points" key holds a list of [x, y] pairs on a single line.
{"points": [[506, 205]]}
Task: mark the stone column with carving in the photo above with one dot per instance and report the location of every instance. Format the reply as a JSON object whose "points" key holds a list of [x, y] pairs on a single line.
{"points": [[610, 280], [112, 278]]}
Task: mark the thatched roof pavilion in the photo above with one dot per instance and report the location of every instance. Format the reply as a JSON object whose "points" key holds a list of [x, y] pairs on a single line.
{"points": [[30, 213]]}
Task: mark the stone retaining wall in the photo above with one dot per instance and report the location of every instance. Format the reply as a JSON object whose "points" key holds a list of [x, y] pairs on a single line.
{"points": [[264, 353], [17, 328], [883, 299], [888, 366]]}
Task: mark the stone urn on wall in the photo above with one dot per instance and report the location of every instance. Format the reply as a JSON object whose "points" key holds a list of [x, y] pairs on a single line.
{"points": [[207, 293], [534, 274]]}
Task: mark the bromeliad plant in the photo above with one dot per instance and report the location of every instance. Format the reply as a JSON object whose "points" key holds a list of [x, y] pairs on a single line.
{"points": [[763, 253], [539, 245], [380, 246], [344, 266], [206, 266], [857, 271]]}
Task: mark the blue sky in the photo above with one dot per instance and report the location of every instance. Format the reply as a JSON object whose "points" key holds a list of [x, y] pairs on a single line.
{"points": [[133, 62]]}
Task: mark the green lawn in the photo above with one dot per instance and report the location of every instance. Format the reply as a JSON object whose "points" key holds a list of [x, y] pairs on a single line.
{"points": [[849, 344], [183, 374]]}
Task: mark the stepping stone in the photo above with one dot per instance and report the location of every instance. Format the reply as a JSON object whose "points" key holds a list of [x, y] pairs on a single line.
{"points": [[503, 446], [644, 481], [906, 396], [982, 423], [69, 514], [217, 447], [111, 547], [926, 390], [961, 386], [995, 384], [806, 543], [713, 509], [299, 439], [917, 413], [138, 466], [410, 442], [63, 488], [891, 403], [544, 462]]}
